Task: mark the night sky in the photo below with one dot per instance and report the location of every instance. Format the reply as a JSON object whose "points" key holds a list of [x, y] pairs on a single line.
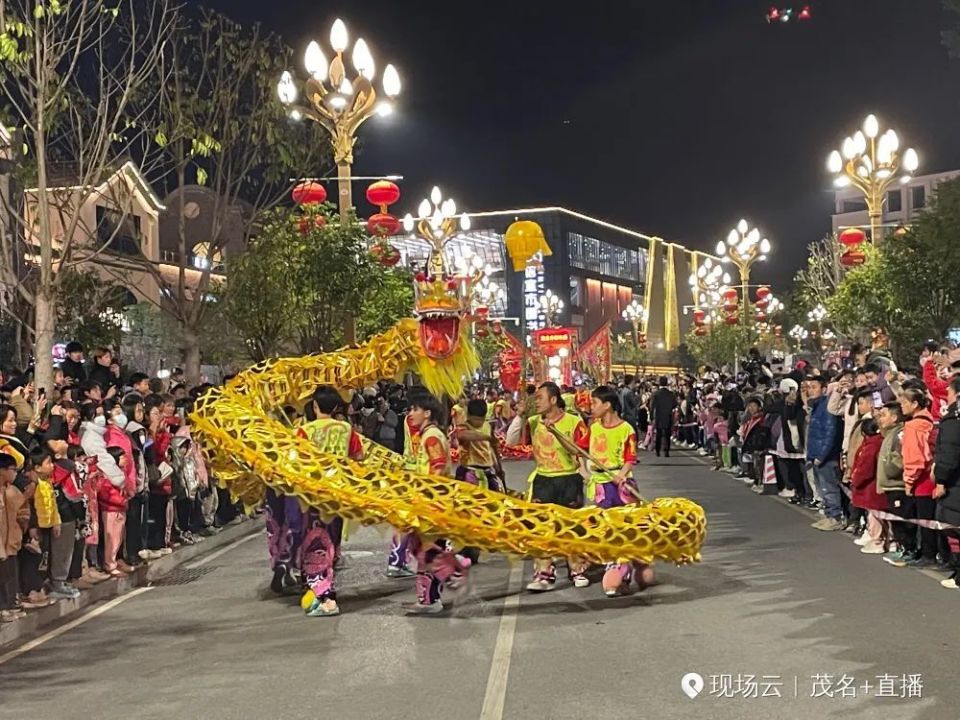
{"points": [[673, 117]]}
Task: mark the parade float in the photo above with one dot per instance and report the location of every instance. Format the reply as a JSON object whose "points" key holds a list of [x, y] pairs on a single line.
{"points": [[251, 444]]}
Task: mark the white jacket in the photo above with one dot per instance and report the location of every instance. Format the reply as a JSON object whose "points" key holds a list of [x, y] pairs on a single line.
{"points": [[93, 444]]}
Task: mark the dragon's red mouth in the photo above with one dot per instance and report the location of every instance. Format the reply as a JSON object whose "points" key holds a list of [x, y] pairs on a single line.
{"points": [[439, 334]]}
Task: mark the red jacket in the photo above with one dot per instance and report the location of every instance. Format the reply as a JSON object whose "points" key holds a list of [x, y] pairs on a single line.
{"points": [[938, 389], [863, 475], [918, 454]]}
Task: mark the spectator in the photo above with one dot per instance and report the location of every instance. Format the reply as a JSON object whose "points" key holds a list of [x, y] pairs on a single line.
{"points": [[140, 384], [74, 372], [947, 475], [917, 448], [823, 451], [101, 372], [662, 406]]}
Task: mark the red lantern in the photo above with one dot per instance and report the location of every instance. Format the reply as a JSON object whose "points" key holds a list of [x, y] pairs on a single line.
{"points": [[852, 236], [762, 303], [698, 316], [383, 225], [482, 331], [385, 254], [851, 258], [700, 331], [730, 306], [642, 341], [761, 316], [383, 193], [309, 193], [763, 292], [497, 328], [732, 319], [304, 222]]}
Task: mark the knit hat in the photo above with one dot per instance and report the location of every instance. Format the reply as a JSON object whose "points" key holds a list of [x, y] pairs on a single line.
{"points": [[788, 385]]}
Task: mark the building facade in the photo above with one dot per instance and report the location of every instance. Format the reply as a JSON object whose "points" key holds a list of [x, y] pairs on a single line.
{"points": [[596, 268], [901, 205]]}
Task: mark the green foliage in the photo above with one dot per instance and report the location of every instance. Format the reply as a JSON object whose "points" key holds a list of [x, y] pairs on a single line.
{"points": [[720, 346], [295, 286], [389, 297], [488, 348], [624, 351], [87, 307]]}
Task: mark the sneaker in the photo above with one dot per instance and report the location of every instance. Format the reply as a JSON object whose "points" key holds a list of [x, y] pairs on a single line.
{"points": [[787, 493], [758, 489], [540, 585], [830, 525], [126, 567], [863, 540], [818, 525], [872, 548], [418, 608], [7, 616], [324, 608], [400, 573], [951, 582], [581, 581], [701, 452], [165, 551], [210, 531], [897, 558], [94, 575], [64, 592], [920, 562], [276, 584]]}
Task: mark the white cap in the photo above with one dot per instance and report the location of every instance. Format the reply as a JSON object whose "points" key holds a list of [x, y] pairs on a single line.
{"points": [[788, 385]]}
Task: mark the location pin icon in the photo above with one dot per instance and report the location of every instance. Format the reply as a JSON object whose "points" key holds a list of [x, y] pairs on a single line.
{"points": [[692, 684]]}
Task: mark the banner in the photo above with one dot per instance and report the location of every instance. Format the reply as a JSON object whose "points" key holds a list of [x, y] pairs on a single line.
{"points": [[594, 354]]}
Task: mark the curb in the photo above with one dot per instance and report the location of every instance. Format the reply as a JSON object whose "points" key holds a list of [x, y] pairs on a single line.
{"points": [[37, 620]]}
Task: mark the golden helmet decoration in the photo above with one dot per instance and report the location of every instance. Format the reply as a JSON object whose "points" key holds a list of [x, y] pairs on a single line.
{"points": [[524, 239]]}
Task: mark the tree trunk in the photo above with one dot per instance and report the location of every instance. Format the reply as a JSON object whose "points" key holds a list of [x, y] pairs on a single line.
{"points": [[43, 346], [190, 348]]}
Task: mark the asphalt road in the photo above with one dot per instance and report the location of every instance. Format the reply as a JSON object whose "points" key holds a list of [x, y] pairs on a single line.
{"points": [[773, 606]]}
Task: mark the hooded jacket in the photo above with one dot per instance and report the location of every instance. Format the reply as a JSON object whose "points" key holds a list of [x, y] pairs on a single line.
{"points": [[917, 454], [937, 387], [110, 494], [823, 433], [890, 461], [863, 474]]}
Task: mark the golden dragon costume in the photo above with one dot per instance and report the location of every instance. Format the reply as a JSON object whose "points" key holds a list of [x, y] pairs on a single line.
{"points": [[249, 449]]}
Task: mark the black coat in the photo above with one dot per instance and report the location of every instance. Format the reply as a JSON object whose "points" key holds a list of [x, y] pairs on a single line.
{"points": [[103, 377], [662, 404], [74, 370], [946, 471]]}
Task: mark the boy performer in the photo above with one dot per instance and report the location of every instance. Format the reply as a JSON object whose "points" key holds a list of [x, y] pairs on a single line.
{"points": [[400, 544], [613, 442], [557, 476], [321, 540], [479, 454]]}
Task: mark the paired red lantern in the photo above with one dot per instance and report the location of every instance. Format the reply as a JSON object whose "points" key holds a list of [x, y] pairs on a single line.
{"points": [[698, 317], [385, 254], [852, 258], [383, 225], [852, 237], [732, 319], [309, 193], [383, 194], [730, 306], [761, 316], [763, 292], [306, 223]]}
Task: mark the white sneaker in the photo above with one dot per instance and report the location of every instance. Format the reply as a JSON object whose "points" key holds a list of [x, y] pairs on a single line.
{"points": [[701, 452], [758, 489], [581, 581], [747, 480], [539, 586], [872, 548], [950, 583], [787, 493], [862, 540]]}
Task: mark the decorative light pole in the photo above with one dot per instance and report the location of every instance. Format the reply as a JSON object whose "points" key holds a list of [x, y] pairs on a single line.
{"points": [[339, 104], [871, 162], [707, 282], [743, 247], [636, 315], [799, 333], [552, 306]]}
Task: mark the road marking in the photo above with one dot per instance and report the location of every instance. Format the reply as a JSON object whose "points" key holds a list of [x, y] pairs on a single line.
{"points": [[96, 612], [496, 692], [213, 556]]}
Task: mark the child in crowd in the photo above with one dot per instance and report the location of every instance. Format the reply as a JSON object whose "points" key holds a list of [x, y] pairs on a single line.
{"points": [[14, 520], [863, 481]]}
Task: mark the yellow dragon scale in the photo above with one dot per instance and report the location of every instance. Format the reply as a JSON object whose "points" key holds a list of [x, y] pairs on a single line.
{"points": [[249, 450]]}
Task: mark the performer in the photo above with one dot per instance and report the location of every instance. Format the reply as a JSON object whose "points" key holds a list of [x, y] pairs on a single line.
{"points": [[557, 476], [436, 563], [321, 540], [613, 442], [284, 525], [400, 543], [479, 451]]}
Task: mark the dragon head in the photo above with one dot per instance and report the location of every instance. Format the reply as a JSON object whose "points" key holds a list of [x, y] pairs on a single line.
{"points": [[441, 304]]}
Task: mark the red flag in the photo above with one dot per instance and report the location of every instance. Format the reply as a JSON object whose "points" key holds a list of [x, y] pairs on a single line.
{"points": [[594, 354]]}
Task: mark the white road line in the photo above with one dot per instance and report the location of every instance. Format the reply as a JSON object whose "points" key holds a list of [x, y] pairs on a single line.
{"points": [[496, 692], [96, 612], [213, 556]]}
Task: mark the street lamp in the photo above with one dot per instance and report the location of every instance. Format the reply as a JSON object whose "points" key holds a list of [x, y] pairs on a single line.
{"points": [[871, 162], [552, 306], [818, 314], [339, 104], [744, 247], [437, 223], [635, 314], [706, 283], [799, 333]]}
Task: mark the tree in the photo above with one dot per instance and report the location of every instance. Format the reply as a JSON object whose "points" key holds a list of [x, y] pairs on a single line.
{"points": [[302, 273], [819, 280], [72, 80], [720, 346], [218, 123], [89, 310], [389, 298]]}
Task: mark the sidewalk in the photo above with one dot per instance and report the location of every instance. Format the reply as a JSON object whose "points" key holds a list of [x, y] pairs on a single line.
{"points": [[145, 574]]}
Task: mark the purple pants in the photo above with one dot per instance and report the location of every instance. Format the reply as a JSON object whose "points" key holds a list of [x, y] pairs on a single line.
{"points": [[317, 555], [285, 527], [435, 565]]}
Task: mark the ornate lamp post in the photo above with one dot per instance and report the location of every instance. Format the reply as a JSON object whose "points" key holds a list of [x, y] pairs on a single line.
{"points": [[799, 334], [706, 284], [636, 315], [743, 247], [339, 104], [552, 306], [871, 162]]}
